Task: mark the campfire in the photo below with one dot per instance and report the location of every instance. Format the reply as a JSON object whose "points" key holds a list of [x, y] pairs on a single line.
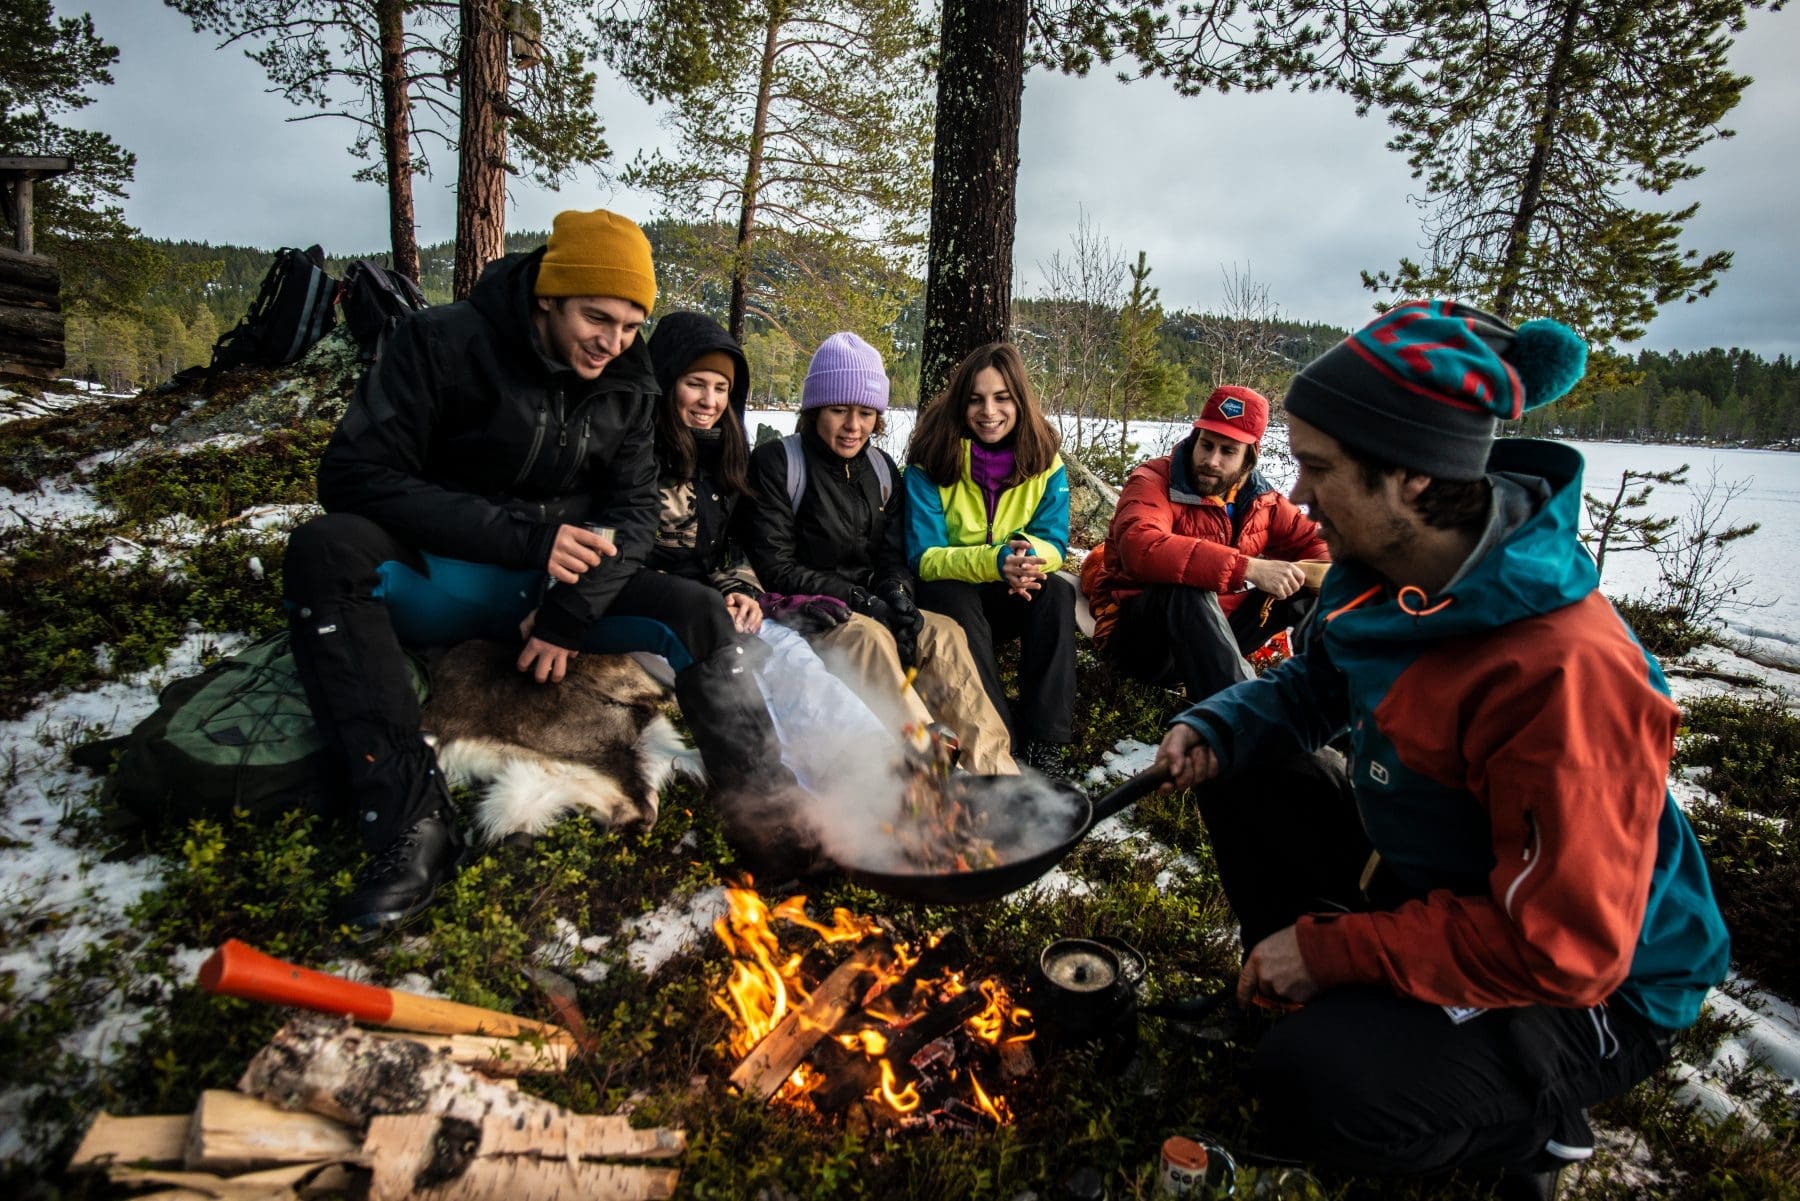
{"points": [[849, 1023]]}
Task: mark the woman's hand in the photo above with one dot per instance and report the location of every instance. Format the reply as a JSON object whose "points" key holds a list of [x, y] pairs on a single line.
{"points": [[746, 614], [1022, 570]]}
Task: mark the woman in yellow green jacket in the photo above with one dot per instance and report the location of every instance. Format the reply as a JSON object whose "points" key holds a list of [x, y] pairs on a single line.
{"points": [[987, 526]]}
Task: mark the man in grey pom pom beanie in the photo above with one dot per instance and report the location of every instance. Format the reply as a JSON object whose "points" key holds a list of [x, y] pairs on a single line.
{"points": [[1497, 916]]}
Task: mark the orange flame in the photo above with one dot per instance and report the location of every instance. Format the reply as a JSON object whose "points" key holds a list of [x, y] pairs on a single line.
{"points": [[870, 1042], [994, 1107], [904, 1101], [759, 991], [765, 986]]}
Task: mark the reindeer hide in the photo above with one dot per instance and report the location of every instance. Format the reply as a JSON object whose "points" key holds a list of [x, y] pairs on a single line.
{"points": [[599, 740]]}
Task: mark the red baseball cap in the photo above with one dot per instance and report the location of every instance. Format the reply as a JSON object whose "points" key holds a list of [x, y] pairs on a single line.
{"points": [[1241, 414]]}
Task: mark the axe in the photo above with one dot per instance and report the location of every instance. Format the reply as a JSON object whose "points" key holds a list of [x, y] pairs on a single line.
{"points": [[238, 969]]}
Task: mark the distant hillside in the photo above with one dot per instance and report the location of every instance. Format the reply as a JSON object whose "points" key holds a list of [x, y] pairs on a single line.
{"points": [[1727, 396]]}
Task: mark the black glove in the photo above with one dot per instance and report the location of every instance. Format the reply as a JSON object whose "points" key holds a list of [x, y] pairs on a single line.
{"points": [[905, 620], [870, 605]]}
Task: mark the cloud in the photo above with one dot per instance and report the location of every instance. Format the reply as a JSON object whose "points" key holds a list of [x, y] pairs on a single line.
{"points": [[1294, 188]]}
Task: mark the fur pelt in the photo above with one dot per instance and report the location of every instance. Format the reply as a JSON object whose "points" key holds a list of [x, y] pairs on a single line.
{"points": [[598, 741]]}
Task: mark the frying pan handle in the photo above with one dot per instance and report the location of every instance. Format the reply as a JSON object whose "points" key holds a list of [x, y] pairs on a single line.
{"points": [[1130, 792]]}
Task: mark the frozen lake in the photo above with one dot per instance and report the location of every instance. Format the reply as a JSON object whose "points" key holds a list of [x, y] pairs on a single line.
{"points": [[1770, 558]]}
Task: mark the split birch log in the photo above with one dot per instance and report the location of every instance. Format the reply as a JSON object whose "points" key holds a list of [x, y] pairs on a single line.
{"points": [[159, 1141], [232, 1133], [276, 1184], [491, 1056], [330, 1067], [447, 1159], [774, 1059]]}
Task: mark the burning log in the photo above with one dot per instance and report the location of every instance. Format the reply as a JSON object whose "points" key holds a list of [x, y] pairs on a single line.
{"points": [[774, 1058], [949, 952], [860, 1075], [329, 1066], [439, 1158]]}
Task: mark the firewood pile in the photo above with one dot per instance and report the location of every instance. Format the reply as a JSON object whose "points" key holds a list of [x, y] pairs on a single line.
{"points": [[881, 1037], [330, 1108]]}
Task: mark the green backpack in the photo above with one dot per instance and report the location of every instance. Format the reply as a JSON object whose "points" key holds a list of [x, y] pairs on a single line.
{"points": [[237, 736]]}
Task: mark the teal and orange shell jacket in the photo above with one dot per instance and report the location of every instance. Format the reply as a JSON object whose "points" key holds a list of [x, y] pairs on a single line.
{"points": [[1510, 756]]}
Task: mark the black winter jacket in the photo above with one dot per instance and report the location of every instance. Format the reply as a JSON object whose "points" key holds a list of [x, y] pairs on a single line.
{"points": [[468, 441], [723, 514], [843, 540]]}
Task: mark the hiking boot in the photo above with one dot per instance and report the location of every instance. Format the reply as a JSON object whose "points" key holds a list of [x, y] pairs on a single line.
{"points": [[1528, 1186], [400, 880], [1045, 757]]}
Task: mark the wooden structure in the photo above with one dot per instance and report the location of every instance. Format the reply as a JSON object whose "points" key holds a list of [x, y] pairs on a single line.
{"points": [[31, 319]]}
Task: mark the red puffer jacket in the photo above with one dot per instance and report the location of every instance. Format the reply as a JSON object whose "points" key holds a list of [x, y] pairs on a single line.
{"points": [[1163, 532]]}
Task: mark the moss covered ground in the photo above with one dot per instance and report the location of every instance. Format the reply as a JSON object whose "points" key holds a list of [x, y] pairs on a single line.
{"points": [[159, 561]]}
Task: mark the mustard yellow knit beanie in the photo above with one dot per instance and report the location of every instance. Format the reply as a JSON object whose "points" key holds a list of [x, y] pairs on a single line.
{"points": [[598, 254]]}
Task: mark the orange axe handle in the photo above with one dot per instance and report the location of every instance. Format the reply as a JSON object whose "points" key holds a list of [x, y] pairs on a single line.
{"points": [[238, 969]]}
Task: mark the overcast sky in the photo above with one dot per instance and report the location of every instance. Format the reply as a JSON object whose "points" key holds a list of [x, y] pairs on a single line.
{"points": [[1293, 189]]}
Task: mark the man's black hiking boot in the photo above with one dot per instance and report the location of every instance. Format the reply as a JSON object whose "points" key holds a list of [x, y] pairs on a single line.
{"points": [[398, 882], [1528, 1186]]}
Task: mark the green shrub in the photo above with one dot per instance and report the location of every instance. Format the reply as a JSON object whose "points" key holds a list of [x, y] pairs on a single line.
{"points": [[213, 483], [1748, 753], [1662, 629]]}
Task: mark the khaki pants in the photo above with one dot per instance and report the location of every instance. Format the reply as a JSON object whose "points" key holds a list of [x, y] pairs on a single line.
{"points": [[861, 652]]}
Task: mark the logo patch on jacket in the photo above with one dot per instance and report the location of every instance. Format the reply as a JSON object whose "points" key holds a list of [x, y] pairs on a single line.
{"points": [[1377, 773]]}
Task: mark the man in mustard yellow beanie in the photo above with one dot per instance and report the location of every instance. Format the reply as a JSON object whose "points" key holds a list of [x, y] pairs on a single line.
{"points": [[595, 286], [494, 477]]}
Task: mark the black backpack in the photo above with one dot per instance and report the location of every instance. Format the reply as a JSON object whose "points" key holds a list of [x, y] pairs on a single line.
{"points": [[373, 299], [293, 309], [237, 736]]}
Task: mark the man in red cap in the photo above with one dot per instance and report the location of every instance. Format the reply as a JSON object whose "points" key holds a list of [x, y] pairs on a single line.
{"points": [[1199, 566]]}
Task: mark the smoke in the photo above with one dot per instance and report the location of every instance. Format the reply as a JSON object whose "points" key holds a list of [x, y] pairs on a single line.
{"points": [[845, 748], [1020, 815]]}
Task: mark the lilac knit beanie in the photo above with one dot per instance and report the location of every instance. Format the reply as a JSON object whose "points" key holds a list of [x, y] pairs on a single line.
{"points": [[845, 370]]}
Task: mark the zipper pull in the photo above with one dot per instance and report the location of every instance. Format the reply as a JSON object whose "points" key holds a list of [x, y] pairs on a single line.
{"points": [[562, 439]]}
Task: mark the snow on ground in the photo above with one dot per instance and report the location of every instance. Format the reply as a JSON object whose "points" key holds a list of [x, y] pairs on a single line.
{"points": [[656, 937], [79, 899], [66, 503], [57, 898], [16, 407]]}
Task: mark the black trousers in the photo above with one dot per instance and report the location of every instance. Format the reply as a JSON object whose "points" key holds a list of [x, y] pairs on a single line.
{"points": [[1365, 1081], [357, 681], [1045, 627], [1170, 633]]}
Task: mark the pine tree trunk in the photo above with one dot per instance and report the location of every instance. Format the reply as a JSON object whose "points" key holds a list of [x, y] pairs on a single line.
{"points": [[1518, 238], [740, 261], [974, 183], [481, 159], [396, 112]]}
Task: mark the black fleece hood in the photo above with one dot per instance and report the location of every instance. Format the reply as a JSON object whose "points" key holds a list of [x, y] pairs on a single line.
{"points": [[680, 338]]}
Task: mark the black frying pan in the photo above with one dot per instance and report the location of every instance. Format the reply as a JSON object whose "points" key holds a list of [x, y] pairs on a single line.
{"points": [[989, 795]]}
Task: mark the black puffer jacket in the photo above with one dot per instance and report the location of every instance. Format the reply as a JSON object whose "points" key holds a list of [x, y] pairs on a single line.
{"points": [[468, 441], [723, 514], [843, 540]]}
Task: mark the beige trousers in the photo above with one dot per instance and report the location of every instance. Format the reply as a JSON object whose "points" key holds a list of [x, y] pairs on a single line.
{"points": [[861, 652]]}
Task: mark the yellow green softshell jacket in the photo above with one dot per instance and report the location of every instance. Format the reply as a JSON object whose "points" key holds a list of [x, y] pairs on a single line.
{"points": [[950, 535]]}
